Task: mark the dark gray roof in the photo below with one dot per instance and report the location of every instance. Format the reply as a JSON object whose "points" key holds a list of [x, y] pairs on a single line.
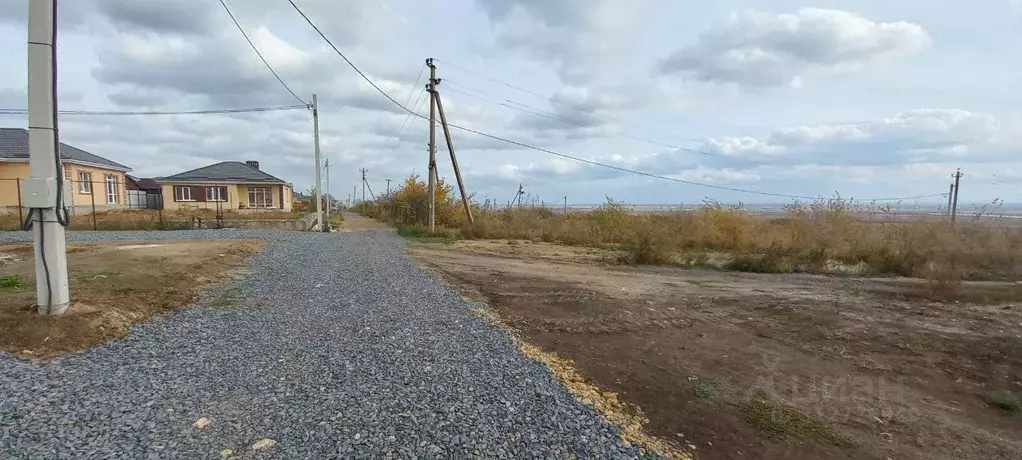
{"points": [[14, 145], [227, 171]]}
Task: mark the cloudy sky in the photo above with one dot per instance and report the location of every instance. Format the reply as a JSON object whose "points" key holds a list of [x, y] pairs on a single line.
{"points": [[865, 98]]}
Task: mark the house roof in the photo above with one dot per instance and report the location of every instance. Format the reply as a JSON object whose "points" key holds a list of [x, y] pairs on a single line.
{"points": [[143, 183], [14, 146], [227, 171]]}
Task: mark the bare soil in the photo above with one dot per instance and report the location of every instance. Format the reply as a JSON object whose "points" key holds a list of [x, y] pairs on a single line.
{"points": [[355, 223], [736, 366], [113, 285]]}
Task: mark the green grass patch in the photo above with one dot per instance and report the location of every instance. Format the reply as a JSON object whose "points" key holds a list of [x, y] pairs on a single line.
{"points": [[435, 240], [224, 302], [411, 231], [705, 389], [1006, 401], [11, 282], [780, 421], [419, 234]]}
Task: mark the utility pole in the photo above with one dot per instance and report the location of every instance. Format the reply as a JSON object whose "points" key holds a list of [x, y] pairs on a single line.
{"points": [[954, 201], [432, 145], [43, 190], [319, 167], [450, 148], [519, 195], [363, 190], [354, 195], [950, 194], [565, 204], [329, 198], [388, 187]]}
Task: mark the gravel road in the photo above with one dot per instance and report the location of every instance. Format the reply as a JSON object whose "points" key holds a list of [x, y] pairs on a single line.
{"points": [[341, 347]]}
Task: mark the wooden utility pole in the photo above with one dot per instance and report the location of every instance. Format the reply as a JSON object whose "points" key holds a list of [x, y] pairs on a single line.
{"points": [[329, 197], [950, 194], [454, 158], [363, 190], [432, 145], [954, 201]]}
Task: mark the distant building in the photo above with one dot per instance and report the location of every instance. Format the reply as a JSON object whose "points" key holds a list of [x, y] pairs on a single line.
{"points": [[229, 185]]}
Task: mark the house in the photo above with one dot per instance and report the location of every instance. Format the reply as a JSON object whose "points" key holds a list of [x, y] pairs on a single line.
{"points": [[229, 185], [143, 193], [94, 179]]}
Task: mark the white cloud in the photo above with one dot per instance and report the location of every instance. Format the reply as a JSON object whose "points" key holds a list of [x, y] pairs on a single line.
{"points": [[576, 35], [758, 49], [913, 136]]}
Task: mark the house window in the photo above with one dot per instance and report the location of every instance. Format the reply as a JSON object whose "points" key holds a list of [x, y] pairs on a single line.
{"points": [[260, 197], [111, 189], [84, 182], [183, 194], [216, 193]]}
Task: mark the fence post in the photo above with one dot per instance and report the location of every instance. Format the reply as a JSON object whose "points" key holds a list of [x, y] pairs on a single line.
{"points": [[92, 195], [21, 217]]}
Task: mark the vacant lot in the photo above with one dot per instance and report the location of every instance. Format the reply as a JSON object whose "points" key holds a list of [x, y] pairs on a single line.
{"points": [[736, 365], [113, 285]]}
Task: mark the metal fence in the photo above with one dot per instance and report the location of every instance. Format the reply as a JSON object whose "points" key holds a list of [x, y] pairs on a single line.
{"points": [[85, 199]]}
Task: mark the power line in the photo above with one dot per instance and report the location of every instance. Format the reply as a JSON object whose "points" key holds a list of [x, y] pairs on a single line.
{"points": [[9, 111], [339, 53], [240, 29], [563, 155], [401, 130], [553, 116], [566, 104]]}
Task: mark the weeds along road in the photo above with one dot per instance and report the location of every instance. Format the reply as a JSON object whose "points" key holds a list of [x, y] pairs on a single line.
{"points": [[339, 346]]}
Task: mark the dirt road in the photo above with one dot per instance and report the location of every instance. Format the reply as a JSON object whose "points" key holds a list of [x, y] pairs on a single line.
{"points": [[743, 366]]}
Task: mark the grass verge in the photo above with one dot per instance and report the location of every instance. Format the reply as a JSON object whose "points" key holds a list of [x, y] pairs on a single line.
{"points": [[774, 419]]}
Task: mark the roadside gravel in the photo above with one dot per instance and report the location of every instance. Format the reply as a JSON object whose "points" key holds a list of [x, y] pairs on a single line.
{"points": [[340, 347]]}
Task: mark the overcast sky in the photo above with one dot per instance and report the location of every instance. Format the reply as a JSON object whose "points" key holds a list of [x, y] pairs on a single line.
{"points": [[867, 98]]}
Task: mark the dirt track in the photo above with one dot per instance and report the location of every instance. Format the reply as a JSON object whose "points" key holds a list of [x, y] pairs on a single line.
{"points": [[762, 366]]}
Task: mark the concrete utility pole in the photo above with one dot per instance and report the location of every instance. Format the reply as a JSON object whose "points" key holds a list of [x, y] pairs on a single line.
{"points": [[42, 191], [388, 187], [432, 145], [354, 195], [319, 167], [565, 204], [363, 190], [954, 201], [329, 197]]}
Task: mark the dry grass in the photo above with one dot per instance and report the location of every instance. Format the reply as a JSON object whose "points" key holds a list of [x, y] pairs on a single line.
{"points": [[826, 236]]}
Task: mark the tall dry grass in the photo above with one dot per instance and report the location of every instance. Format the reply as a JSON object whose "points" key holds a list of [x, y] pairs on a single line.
{"points": [[824, 236]]}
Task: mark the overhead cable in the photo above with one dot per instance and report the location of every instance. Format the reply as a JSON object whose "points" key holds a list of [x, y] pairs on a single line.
{"points": [[265, 62]]}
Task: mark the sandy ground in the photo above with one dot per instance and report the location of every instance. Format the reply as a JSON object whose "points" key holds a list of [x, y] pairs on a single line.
{"points": [[113, 285], [739, 366]]}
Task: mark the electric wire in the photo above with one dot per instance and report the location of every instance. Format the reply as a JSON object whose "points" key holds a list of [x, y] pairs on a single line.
{"points": [[564, 155], [12, 111], [566, 104], [254, 48]]}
